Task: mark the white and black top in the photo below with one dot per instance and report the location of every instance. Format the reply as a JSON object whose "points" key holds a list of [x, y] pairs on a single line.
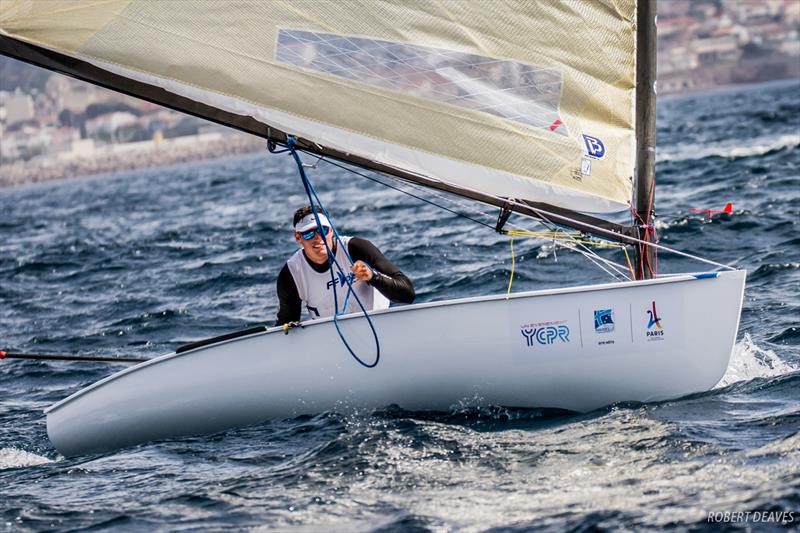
{"points": [[302, 282]]}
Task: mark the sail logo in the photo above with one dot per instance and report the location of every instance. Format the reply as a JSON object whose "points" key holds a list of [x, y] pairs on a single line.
{"points": [[341, 279], [655, 331], [604, 320], [594, 146], [545, 333]]}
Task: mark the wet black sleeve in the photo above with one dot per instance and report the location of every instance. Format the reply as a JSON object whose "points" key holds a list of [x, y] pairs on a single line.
{"points": [[387, 278], [290, 305]]}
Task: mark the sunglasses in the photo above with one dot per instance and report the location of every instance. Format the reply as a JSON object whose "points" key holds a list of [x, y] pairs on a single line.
{"points": [[308, 235]]}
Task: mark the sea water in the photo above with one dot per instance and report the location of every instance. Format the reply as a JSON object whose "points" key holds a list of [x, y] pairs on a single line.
{"points": [[139, 263]]}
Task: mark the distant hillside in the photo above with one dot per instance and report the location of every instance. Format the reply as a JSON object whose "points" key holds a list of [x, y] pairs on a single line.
{"points": [[14, 74]]}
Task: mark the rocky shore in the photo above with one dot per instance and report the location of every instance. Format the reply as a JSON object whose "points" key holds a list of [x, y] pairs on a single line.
{"points": [[122, 157]]}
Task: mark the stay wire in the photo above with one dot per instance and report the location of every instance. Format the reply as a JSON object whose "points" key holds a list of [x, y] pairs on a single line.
{"points": [[581, 248], [586, 252], [598, 229], [390, 186], [549, 215], [314, 200]]}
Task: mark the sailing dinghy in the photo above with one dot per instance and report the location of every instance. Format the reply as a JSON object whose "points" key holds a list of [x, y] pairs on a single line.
{"points": [[546, 110]]}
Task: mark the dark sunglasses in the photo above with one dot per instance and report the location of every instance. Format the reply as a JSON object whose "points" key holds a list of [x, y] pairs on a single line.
{"points": [[308, 235]]}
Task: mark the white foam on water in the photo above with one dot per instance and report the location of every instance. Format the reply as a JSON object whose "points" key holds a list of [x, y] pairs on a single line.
{"points": [[749, 361], [14, 458], [662, 224], [729, 149]]}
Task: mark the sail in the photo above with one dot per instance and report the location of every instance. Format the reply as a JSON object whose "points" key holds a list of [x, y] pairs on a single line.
{"points": [[527, 100]]}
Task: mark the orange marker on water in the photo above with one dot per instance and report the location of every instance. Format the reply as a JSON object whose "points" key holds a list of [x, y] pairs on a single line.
{"points": [[727, 209]]}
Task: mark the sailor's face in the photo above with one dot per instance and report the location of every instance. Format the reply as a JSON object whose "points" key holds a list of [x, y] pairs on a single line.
{"points": [[314, 248]]}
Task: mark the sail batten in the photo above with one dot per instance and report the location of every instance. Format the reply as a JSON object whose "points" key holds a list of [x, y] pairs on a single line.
{"points": [[524, 101]]}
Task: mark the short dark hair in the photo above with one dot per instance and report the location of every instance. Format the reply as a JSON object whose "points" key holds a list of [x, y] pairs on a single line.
{"points": [[303, 211]]}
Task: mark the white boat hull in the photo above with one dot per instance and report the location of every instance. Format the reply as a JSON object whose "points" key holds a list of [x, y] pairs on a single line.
{"points": [[536, 349]]}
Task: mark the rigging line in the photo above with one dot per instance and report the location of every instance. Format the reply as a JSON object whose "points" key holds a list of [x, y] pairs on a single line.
{"points": [[471, 207], [652, 228], [465, 205], [588, 252], [619, 268], [82, 358], [312, 196], [609, 232], [591, 256], [406, 192], [331, 261], [597, 229], [344, 275], [513, 263], [594, 257], [585, 250]]}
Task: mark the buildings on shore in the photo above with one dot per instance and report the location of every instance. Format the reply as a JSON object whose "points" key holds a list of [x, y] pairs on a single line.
{"points": [[707, 43], [702, 44], [67, 119]]}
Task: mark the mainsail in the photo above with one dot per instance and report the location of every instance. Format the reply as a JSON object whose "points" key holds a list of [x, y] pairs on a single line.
{"points": [[532, 101]]}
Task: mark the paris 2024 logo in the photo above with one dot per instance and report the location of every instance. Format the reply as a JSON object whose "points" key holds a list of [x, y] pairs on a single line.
{"points": [[655, 331]]}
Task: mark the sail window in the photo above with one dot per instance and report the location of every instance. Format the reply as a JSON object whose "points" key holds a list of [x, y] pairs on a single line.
{"points": [[515, 91]]}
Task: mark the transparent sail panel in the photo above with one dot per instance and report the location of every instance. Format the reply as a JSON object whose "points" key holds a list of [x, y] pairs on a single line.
{"points": [[508, 89]]}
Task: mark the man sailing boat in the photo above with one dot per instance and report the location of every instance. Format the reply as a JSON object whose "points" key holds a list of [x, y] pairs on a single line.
{"points": [[306, 278]]}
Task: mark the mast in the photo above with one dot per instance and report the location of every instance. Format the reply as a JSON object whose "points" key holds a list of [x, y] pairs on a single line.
{"points": [[645, 267]]}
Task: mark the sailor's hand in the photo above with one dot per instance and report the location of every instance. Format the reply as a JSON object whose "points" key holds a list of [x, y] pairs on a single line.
{"points": [[362, 271]]}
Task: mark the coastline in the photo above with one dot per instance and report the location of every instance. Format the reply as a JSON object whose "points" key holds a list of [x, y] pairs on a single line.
{"points": [[113, 158], [130, 156]]}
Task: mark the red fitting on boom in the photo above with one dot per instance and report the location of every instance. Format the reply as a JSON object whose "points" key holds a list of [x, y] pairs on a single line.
{"points": [[2, 354]]}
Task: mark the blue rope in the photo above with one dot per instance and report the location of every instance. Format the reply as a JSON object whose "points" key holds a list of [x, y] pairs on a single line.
{"points": [[313, 199]]}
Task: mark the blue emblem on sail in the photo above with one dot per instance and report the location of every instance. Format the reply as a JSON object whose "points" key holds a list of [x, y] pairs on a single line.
{"points": [[594, 146]]}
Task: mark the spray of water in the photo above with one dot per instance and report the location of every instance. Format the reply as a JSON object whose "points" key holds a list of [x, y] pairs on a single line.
{"points": [[749, 361], [14, 458]]}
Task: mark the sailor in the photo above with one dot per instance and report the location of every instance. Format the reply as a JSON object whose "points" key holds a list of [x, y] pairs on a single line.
{"points": [[305, 279]]}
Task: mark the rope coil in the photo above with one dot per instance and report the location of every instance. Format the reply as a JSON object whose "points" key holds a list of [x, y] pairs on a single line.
{"points": [[313, 199]]}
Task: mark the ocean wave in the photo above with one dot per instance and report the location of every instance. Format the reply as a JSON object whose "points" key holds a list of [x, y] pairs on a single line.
{"points": [[14, 458], [790, 335], [755, 147], [770, 269], [749, 361]]}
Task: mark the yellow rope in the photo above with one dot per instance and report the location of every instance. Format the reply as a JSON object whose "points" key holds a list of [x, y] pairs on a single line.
{"points": [[628, 259], [543, 234], [511, 278], [564, 236]]}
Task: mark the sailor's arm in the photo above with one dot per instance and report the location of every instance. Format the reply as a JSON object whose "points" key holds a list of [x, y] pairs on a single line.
{"points": [[386, 277], [290, 305]]}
